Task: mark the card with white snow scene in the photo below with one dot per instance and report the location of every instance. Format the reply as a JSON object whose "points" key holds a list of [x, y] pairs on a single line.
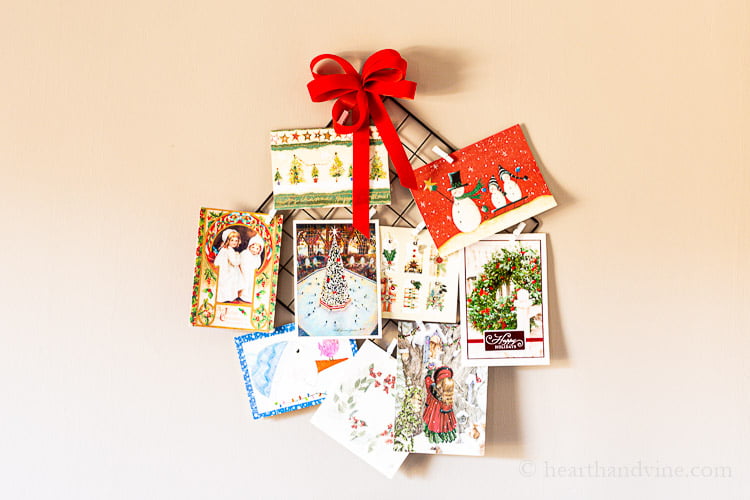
{"points": [[283, 372], [504, 301], [336, 275], [441, 403], [416, 282], [313, 168], [492, 185], [360, 408]]}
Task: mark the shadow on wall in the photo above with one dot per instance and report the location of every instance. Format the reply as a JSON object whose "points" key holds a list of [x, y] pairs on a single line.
{"points": [[437, 71]]}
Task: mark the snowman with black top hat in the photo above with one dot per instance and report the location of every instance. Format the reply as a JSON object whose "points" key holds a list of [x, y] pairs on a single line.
{"points": [[466, 215]]}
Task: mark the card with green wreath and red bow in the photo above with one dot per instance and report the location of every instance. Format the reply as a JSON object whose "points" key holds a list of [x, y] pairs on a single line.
{"points": [[491, 185], [504, 318]]}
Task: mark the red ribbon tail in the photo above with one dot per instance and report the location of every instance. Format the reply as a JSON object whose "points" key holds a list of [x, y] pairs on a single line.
{"points": [[361, 184], [392, 143]]}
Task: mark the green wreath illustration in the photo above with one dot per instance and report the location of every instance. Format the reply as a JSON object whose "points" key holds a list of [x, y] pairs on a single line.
{"points": [[517, 268]]}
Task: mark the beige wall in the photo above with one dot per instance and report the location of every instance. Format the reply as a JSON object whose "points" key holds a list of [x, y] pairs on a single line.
{"points": [[120, 119]]}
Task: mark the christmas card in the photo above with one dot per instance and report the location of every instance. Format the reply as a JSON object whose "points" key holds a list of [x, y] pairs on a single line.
{"points": [[504, 301], [492, 185], [236, 270], [416, 282], [284, 372], [313, 168], [441, 403], [360, 408], [336, 275]]}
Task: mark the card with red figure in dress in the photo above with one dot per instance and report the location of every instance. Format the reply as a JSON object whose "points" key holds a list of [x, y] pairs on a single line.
{"points": [[441, 402]]}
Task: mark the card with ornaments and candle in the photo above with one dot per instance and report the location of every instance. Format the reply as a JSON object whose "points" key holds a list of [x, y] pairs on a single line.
{"points": [[491, 185], [416, 282]]}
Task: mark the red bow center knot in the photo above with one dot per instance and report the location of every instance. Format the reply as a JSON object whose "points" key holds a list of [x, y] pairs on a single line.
{"points": [[360, 95]]}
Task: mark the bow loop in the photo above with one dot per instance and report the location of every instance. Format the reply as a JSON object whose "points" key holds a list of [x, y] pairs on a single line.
{"points": [[383, 74]]}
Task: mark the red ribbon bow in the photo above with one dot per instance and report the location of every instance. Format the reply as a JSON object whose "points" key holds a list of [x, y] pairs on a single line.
{"points": [[382, 75]]}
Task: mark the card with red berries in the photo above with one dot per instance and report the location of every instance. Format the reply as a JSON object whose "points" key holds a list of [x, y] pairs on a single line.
{"points": [[359, 409], [491, 185], [504, 301]]}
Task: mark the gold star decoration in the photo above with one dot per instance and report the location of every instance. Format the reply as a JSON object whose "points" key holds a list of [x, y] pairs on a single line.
{"points": [[284, 138], [429, 185]]}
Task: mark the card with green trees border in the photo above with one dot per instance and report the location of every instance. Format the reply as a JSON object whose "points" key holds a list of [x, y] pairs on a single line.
{"points": [[313, 168], [504, 301]]}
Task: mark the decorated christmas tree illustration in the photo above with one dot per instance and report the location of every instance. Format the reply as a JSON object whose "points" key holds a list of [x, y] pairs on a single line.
{"points": [[277, 177], [376, 168], [295, 171], [337, 167], [335, 293]]}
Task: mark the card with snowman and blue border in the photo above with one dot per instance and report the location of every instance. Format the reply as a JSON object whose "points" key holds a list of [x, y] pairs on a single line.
{"points": [[491, 185], [283, 372], [337, 275]]}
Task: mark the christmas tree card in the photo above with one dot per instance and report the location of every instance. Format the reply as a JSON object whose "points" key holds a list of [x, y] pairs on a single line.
{"points": [[284, 372], [336, 276], [504, 301], [360, 408], [441, 403], [236, 270], [492, 185], [416, 282], [313, 168]]}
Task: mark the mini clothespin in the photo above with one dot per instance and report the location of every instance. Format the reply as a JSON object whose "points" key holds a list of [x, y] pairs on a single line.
{"points": [[442, 154], [343, 117], [418, 228], [391, 346], [271, 214], [516, 232], [372, 212]]}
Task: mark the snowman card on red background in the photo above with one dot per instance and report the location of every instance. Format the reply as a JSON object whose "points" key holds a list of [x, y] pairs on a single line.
{"points": [[491, 185]]}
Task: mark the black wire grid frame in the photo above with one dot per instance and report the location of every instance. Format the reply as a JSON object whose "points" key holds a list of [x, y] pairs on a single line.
{"points": [[418, 140]]}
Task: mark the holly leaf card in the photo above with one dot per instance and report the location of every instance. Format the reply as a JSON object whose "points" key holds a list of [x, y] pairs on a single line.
{"points": [[336, 277], [416, 282], [236, 270], [441, 403], [313, 168], [360, 408], [283, 372], [491, 185], [503, 302]]}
